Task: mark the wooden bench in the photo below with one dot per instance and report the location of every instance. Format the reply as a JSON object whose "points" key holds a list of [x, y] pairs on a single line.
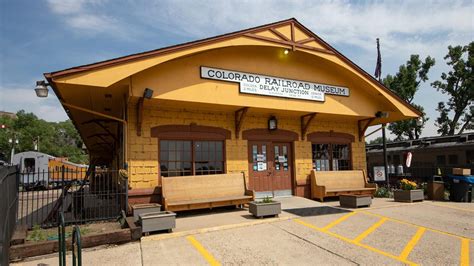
{"points": [[205, 191], [335, 183]]}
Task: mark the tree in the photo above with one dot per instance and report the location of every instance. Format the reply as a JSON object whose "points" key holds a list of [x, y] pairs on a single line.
{"points": [[406, 83], [458, 83], [379, 140], [56, 139]]}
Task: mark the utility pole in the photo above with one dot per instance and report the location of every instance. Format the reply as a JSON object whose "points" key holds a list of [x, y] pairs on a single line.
{"points": [[36, 142], [384, 142], [13, 141]]}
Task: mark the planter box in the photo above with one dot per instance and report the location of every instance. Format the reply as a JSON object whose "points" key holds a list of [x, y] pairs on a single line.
{"points": [[408, 195], [461, 171], [144, 208], [157, 221], [260, 209], [354, 201]]}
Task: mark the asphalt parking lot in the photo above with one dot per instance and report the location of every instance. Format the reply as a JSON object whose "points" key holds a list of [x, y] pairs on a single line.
{"points": [[309, 233]]}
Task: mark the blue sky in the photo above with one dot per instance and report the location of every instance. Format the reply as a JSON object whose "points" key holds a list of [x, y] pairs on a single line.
{"points": [[43, 36]]}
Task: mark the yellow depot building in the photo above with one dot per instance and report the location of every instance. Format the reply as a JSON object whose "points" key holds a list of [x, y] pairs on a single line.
{"points": [[273, 102]]}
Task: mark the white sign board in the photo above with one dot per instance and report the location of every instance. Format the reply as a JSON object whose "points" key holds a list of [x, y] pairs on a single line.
{"points": [[409, 156], [379, 173], [273, 86]]}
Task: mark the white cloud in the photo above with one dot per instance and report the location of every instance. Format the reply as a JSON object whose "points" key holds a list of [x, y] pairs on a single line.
{"points": [[404, 27], [86, 16], [16, 97]]}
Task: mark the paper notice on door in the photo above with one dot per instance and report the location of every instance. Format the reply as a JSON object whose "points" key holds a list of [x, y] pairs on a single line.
{"points": [[261, 166], [260, 157], [281, 159]]}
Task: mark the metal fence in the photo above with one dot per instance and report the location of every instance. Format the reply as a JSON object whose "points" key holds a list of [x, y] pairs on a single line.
{"points": [[8, 209], [82, 195]]}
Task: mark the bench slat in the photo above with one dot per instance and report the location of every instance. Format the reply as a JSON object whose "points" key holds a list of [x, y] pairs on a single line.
{"points": [[327, 183], [205, 191]]}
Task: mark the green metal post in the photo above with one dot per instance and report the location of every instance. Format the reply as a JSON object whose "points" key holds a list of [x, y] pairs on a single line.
{"points": [[76, 247], [61, 239]]}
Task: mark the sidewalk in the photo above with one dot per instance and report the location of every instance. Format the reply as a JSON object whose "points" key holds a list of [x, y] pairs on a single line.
{"points": [[386, 233]]}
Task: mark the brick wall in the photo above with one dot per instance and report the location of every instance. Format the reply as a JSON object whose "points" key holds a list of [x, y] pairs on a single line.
{"points": [[143, 150]]}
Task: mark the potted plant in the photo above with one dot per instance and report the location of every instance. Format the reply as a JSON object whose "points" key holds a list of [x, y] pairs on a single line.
{"points": [[265, 207], [408, 192]]}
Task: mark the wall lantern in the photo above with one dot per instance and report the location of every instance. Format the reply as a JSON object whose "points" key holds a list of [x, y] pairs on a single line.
{"points": [[41, 89], [148, 93], [381, 114], [272, 123], [286, 51]]}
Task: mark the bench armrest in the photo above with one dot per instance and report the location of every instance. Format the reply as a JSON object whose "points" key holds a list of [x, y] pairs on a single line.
{"points": [[164, 203], [371, 185], [249, 192], [318, 192]]}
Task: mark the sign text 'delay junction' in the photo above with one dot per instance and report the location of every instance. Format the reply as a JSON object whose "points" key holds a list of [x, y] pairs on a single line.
{"points": [[274, 86]]}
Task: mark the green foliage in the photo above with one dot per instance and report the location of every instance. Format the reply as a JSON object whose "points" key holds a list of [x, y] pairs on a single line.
{"points": [[382, 192], [379, 140], [267, 199], [406, 83], [458, 83], [37, 234], [406, 184], [57, 139]]}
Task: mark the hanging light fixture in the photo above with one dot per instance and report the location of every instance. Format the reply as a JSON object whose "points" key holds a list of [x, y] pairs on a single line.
{"points": [[41, 89]]}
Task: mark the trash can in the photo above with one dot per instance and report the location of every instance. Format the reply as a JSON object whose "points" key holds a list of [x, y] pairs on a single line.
{"points": [[460, 189], [436, 188]]}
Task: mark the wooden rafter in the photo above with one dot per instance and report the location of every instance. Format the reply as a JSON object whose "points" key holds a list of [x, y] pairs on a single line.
{"points": [[288, 43], [99, 123], [292, 25], [310, 39], [101, 137], [140, 116], [239, 119], [93, 112], [363, 125], [279, 34], [305, 123]]}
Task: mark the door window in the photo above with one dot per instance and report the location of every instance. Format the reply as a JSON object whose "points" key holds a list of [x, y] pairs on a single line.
{"points": [[259, 158]]}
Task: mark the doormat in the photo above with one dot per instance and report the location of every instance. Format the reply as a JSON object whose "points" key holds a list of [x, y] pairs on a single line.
{"points": [[315, 211]]}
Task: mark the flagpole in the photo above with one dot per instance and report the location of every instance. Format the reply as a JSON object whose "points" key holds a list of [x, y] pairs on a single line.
{"points": [[378, 74]]}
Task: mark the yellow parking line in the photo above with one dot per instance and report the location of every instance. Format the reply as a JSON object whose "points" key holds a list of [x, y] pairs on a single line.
{"points": [[450, 207], [414, 240], [415, 225], [370, 230], [354, 242], [210, 259], [332, 224], [464, 252]]}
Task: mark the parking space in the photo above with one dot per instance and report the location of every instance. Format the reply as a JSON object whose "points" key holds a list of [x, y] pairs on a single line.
{"points": [[309, 233]]}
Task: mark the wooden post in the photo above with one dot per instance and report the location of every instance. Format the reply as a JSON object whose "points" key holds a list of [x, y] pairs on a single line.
{"points": [[305, 124], [239, 118], [140, 116]]}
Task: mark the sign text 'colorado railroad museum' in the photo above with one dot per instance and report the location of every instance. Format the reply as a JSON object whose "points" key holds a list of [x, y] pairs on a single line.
{"points": [[273, 86]]}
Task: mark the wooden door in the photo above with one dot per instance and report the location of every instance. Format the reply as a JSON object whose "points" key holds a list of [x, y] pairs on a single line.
{"points": [[260, 166], [282, 167], [270, 167]]}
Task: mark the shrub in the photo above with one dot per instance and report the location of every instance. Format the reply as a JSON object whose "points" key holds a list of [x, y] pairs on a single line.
{"points": [[406, 184], [382, 192]]}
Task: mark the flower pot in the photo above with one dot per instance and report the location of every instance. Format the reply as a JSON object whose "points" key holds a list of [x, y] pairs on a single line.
{"points": [[144, 208], [408, 195], [157, 221], [260, 209]]}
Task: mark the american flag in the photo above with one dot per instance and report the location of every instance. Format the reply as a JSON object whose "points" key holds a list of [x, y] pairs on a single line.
{"points": [[378, 67]]}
